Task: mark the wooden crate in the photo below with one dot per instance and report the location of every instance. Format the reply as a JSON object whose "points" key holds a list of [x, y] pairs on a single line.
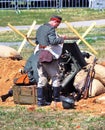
{"points": [[24, 94]]}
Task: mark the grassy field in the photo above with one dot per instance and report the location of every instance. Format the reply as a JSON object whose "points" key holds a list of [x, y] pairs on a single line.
{"points": [[42, 15], [19, 118]]}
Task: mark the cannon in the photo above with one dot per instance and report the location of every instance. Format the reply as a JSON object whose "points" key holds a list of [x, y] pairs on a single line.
{"points": [[70, 63]]}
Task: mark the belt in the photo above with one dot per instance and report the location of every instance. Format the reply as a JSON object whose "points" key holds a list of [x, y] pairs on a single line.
{"points": [[42, 46]]}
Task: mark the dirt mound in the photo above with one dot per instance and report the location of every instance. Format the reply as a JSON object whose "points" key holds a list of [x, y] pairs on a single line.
{"points": [[9, 68], [95, 105]]}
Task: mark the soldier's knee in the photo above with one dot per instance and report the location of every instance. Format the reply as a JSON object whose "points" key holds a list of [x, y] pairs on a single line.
{"points": [[43, 81]]}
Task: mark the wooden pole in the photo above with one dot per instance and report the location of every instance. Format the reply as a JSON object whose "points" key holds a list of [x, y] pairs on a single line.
{"points": [[21, 34], [82, 39], [87, 31], [28, 34]]}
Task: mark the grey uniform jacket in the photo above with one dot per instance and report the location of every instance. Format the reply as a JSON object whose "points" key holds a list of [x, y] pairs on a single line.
{"points": [[46, 35]]}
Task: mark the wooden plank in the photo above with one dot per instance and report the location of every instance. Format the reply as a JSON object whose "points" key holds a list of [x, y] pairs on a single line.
{"points": [[21, 34], [87, 31], [28, 34], [82, 39]]}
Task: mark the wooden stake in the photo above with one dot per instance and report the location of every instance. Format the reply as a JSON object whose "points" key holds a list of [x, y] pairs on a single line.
{"points": [[28, 34], [21, 34], [82, 39], [87, 31]]}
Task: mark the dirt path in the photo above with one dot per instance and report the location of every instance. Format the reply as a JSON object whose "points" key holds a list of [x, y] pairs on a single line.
{"points": [[62, 25]]}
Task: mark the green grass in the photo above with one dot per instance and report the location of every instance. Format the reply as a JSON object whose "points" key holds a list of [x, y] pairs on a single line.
{"points": [[42, 15], [19, 118]]}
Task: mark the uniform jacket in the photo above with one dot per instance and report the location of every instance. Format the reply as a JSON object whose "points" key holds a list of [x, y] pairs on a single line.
{"points": [[46, 35]]}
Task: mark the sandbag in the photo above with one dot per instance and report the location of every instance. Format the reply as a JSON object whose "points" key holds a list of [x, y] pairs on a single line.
{"points": [[97, 88], [80, 79], [102, 63], [90, 59], [8, 52], [100, 73], [98, 84]]}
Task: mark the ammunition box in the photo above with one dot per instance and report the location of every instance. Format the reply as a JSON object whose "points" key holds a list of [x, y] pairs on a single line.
{"points": [[24, 94]]}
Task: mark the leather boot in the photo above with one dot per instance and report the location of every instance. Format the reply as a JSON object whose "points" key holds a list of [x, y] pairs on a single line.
{"points": [[56, 94], [48, 94], [40, 97], [9, 94]]}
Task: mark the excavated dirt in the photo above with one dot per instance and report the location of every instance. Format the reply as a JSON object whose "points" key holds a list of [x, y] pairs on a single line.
{"points": [[8, 70]]}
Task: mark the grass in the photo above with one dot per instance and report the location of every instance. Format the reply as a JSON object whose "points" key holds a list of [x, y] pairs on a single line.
{"points": [[42, 15], [19, 118]]}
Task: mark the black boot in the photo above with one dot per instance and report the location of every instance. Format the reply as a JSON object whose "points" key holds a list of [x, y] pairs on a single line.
{"points": [[56, 94], [40, 97], [48, 94], [9, 94]]}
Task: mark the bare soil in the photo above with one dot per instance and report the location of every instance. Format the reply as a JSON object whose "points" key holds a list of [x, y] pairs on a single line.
{"points": [[8, 70]]}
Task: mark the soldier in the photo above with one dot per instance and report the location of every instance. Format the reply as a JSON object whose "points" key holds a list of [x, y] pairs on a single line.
{"points": [[49, 48]]}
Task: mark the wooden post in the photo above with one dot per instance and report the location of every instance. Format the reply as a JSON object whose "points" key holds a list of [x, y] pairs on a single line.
{"points": [[87, 31], [82, 39], [28, 34], [21, 34]]}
